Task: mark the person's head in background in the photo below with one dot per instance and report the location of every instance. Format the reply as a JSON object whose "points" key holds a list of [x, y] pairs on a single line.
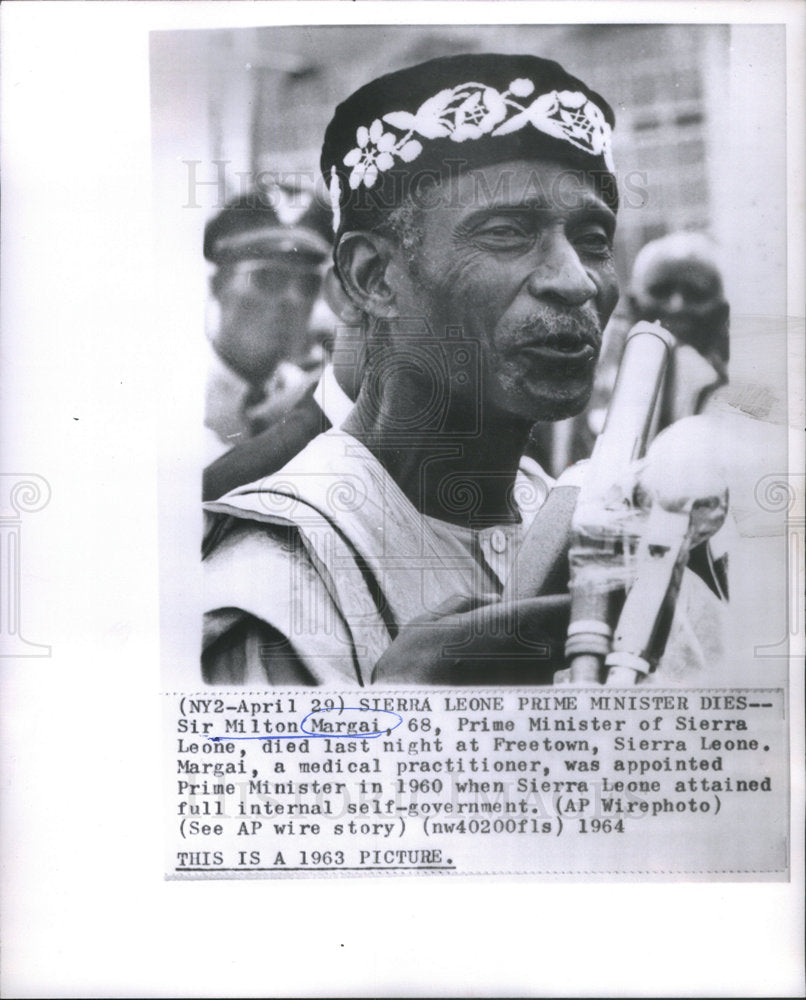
{"points": [[678, 280], [266, 282]]}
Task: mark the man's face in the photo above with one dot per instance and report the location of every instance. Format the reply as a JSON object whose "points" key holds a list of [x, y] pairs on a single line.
{"points": [[265, 308], [685, 294], [519, 256]]}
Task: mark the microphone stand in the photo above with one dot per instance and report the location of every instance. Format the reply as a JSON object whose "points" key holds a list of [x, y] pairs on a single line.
{"points": [[602, 514]]}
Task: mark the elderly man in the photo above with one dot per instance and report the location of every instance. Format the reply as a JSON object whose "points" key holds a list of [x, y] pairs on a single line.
{"points": [[474, 203], [266, 281], [678, 280]]}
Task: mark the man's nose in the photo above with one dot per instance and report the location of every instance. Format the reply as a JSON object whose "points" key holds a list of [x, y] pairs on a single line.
{"points": [[292, 292], [560, 274], [676, 302]]}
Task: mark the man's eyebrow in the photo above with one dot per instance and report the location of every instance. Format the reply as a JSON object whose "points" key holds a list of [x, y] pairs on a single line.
{"points": [[584, 204]]}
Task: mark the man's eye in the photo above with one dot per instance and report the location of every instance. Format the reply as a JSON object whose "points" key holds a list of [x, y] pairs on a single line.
{"points": [[502, 234], [594, 242]]}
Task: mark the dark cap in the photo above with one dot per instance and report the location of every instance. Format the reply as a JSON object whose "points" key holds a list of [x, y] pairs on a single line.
{"points": [[458, 113], [247, 228]]}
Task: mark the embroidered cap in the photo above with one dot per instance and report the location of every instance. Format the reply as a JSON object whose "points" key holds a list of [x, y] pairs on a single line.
{"points": [[453, 114]]}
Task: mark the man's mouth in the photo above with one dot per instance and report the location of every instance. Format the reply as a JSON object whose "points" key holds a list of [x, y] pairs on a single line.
{"points": [[567, 333], [568, 346], [567, 342], [559, 340]]}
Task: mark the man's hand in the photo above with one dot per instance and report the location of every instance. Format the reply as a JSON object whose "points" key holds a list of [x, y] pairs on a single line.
{"points": [[502, 642]]}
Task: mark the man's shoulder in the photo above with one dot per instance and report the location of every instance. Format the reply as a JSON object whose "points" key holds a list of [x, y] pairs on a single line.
{"points": [[330, 474], [268, 452]]}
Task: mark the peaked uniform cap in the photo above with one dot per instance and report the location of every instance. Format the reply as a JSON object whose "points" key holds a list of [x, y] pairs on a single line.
{"points": [[248, 228]]}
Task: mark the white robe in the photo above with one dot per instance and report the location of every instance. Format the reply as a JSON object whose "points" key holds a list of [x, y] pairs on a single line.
{"points": [[331, 555]]}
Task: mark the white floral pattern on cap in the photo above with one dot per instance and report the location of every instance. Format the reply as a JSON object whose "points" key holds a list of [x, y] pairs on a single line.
{"points": [[470, 111], [376, 151]]}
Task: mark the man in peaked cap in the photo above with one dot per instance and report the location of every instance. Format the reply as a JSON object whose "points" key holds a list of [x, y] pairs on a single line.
{"points": [[265, 284], [322, 406], [474, 206]]}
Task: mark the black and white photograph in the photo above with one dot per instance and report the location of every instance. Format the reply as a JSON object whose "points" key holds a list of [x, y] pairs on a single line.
{"points": [[504, 459], [413, 434], [486, 438]]}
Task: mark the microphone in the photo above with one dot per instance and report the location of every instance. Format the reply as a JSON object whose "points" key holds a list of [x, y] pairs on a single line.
{"points": [[604, 516], [542, 562]]}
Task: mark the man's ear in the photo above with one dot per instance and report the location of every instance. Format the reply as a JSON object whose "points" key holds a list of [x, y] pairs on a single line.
{"points": [[363, 260], [338, 300]]}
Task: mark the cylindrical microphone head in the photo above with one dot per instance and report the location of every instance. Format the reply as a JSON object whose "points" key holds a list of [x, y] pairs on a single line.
{"points": [[632, 404], [608, 477]]}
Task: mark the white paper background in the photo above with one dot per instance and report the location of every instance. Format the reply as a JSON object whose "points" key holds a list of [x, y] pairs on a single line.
{"points": [[85, 910]]}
